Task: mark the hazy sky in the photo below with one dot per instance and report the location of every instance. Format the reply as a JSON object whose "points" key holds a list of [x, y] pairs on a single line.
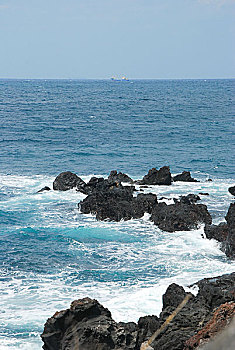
{"points": [[101, 38]]}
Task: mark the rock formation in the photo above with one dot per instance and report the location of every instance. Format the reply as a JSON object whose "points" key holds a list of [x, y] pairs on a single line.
{"points": [[224, 232], [220, 319], [180, 216], [45, 188], [217, 232], [116, 202], [157, 177], [184, 176], [66, 181], [232, 190], [120, 177], [87, 325], [230, 241]]}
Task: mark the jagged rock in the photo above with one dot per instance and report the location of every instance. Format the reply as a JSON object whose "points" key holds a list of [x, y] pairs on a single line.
{"points": [[147, 325], [67, 180], [222, 316], [147, 201], [232, 190], [184, 176], [87, 325], [116, 202], [180, 216], [157, 177], [196, 313], [224, 340], [173, 296], [95, 183], [230, 242], [217, 290], [190, 199], [115, 176], [46, 188], [218, 232]]}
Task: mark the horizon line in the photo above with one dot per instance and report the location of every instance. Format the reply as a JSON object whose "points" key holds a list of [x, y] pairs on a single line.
{"points": [[102, 79]]}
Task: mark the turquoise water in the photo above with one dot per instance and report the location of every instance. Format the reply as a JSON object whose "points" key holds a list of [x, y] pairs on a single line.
{"points": [[50, 254]]}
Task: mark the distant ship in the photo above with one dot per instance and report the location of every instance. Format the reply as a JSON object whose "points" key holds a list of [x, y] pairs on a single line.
{"points": [[118, 79]]}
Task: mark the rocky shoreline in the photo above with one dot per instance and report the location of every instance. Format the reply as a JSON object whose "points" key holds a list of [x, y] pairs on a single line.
{"points": [[88, 325]]}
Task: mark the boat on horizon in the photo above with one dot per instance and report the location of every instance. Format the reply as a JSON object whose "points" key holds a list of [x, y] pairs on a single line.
{"points": [[124, 78]]}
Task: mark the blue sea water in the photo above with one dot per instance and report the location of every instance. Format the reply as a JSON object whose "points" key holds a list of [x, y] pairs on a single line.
{"points": [[50, 254]]}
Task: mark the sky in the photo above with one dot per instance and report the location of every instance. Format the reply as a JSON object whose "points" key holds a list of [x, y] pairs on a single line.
{"points": [[96, 39]]}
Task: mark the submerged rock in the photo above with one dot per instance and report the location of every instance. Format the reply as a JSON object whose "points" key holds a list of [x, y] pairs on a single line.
{"points": [[184, 176], [115, 176], [46, 188], [87, 325], [232, 190], [66, 181], [157, 177], [190, 198]]}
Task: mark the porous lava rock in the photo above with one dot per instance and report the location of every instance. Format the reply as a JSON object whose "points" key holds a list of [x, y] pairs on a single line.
{"points": [[232, 190], [185, 176], [230, 241], [157, 177], [224, 232], [87, 325], [180, 216], [116, 202], [220, 319], [190, 198], [217, 232], [66, 181], [120, 177]]}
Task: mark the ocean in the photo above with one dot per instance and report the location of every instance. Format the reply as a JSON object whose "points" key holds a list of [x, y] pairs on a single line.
{"points": [[50, 253]]}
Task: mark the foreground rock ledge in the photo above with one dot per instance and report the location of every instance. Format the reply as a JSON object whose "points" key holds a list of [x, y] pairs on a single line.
{"points": [[87, 325]]}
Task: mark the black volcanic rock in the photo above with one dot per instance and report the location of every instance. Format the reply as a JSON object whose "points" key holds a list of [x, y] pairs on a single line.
{"points": [[184, 176], [45, 188], [157, 177], [147, 325], [218, 232], [190, 198], [230, 242], [120, 177], [180, 216], [67, 180], [116, 202], [87, 325], [217, 290], [232, 190]]}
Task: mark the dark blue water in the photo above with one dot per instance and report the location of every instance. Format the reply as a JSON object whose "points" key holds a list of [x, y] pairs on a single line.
{"points": [[50, 254], [94, 126]]}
